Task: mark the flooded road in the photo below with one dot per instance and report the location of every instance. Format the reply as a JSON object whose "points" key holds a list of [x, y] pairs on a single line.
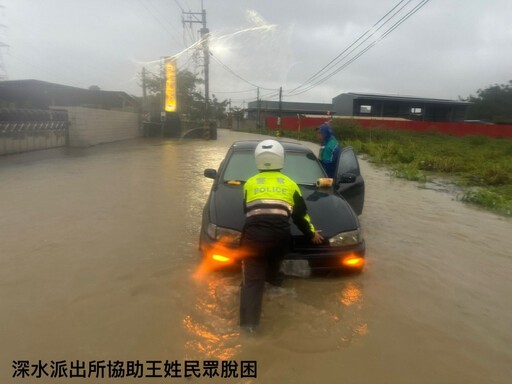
{"points": [[99, 261]]}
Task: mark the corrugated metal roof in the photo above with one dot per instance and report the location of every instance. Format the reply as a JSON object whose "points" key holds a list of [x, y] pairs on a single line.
{"points": [[290, 106], [402, 98]]}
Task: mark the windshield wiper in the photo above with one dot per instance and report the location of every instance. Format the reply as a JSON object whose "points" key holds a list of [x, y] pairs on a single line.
{"points": [[307, 184]]}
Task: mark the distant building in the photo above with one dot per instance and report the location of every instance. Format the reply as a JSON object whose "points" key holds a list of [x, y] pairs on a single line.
{"points": [[288, 109], [42, 95], [367, 105], [411, 108]]}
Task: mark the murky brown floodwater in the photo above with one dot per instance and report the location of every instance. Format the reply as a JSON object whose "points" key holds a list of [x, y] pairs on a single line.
{"points": [[99, 260]]}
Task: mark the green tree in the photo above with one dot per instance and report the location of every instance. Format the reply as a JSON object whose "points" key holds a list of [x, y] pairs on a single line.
{"points": [[218, 111], [238, 113], [190, 102], [492, 104]]}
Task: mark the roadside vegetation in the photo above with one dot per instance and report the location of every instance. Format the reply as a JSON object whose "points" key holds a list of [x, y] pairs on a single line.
{"points": [[480, 165]]}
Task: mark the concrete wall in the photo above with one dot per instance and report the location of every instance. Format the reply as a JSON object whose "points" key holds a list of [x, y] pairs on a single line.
{"points": [[95, 126], [245, 124], [31, 140], [87, 127]]}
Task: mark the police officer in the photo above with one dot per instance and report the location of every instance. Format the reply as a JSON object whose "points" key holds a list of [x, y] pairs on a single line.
{"points": [[270, 198]]}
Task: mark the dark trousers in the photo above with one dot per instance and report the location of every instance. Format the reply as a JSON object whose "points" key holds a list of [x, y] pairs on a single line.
{"points": [[262, 264]]}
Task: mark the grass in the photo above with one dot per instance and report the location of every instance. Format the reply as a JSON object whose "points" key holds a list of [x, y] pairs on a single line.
{"points": [[481, 165]]}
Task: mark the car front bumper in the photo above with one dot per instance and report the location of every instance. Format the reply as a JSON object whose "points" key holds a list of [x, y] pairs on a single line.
{"points": [[326, 257], [319, 257]]}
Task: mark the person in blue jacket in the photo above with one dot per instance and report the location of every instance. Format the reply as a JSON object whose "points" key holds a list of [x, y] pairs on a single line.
{"points": [[329, 150]]}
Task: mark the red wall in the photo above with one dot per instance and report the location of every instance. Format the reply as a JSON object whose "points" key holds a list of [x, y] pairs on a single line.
{"points": [[456, 129]]}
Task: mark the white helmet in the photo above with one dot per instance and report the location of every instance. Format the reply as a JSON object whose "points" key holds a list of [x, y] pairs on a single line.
{"points": [[269, 154]]}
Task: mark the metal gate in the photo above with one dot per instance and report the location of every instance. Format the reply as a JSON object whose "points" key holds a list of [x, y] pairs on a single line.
{"points": [[24, 130]]}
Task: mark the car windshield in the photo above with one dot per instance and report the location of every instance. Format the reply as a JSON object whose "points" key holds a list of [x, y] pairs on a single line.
{"points": [[297, 166]]}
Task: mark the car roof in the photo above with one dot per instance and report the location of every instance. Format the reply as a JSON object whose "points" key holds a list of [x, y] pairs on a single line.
{"points": [[250, 145]]}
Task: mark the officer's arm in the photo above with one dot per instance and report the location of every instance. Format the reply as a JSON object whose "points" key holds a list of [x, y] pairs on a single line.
{"points": [[245, 198], [300, 216]]}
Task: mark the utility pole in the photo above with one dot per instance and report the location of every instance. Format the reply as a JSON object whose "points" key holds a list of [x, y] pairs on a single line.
{"points": [[280, 123], [162, 85], [259, 108], [206, 52], [3, 71], [146, 117], [230, 116], [144, 98], [192, 17]]}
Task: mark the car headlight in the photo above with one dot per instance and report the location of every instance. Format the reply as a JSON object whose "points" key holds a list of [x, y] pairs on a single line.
{"points": [[224, 235], [346, 238]]}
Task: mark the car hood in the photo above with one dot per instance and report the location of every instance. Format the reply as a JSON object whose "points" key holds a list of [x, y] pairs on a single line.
{"points": [[328, 212]]}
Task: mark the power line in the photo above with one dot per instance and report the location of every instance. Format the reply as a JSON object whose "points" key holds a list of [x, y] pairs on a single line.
{"points": [[318, 73], [391, 29], [159, 13], [247, 90], [186, 63], [159, 22], [270, 95], [178, 4], [237, 75]]}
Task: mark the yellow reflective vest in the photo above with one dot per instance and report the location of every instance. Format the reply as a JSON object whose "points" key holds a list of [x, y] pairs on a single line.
{"points": [[272, 193]]}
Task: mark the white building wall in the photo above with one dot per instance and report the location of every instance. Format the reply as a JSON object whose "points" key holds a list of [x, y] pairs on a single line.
{"points": [[95, 126]]}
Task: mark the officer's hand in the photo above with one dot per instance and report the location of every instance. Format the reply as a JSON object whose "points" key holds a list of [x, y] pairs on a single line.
{"points": [[318, 239]]}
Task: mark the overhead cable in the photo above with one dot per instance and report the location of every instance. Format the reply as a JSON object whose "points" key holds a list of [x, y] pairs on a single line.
{"points": [[159, 22], [237, 75], [343, 66], [330, 64], [179, 5], [244, 91]]}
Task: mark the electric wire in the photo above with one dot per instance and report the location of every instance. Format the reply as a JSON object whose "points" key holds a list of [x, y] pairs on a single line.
{"points": [[158, 12], [179, 5], [330, 64], [386, 33], [244, 91], [237, 75], [160, 23], [270, 95]]}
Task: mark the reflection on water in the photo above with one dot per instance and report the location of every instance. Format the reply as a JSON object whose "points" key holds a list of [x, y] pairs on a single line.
{"points": [[351, 294], [305, 316], [212, 323], [101, 262]]}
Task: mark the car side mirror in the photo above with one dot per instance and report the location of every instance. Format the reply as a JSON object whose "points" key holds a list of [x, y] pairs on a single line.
{"points": [[347, 178], [210, 173]]}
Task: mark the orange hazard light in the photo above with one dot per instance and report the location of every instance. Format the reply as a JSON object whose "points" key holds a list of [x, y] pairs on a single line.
{"points": [[222, 259], [353, 261]]}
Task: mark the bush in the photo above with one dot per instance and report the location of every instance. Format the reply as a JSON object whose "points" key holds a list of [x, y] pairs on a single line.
{"points": [[472, 160]]}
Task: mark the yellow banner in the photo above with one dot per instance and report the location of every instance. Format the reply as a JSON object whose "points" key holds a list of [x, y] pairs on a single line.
{"points": [[170, 85]]}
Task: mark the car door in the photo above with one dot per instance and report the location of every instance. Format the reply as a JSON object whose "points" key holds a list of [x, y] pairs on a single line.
{"points": [[348, 181]]}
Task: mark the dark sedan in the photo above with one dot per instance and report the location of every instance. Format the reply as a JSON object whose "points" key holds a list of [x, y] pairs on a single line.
{"points": [[333, 209]]}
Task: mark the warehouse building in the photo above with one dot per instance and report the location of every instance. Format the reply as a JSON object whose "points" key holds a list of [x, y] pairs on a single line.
{"points": [[42, 95], [264, 108], [410, 108]]}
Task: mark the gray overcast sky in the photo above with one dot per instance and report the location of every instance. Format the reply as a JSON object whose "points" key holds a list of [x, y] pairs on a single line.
{"points": [[446, 49]]}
